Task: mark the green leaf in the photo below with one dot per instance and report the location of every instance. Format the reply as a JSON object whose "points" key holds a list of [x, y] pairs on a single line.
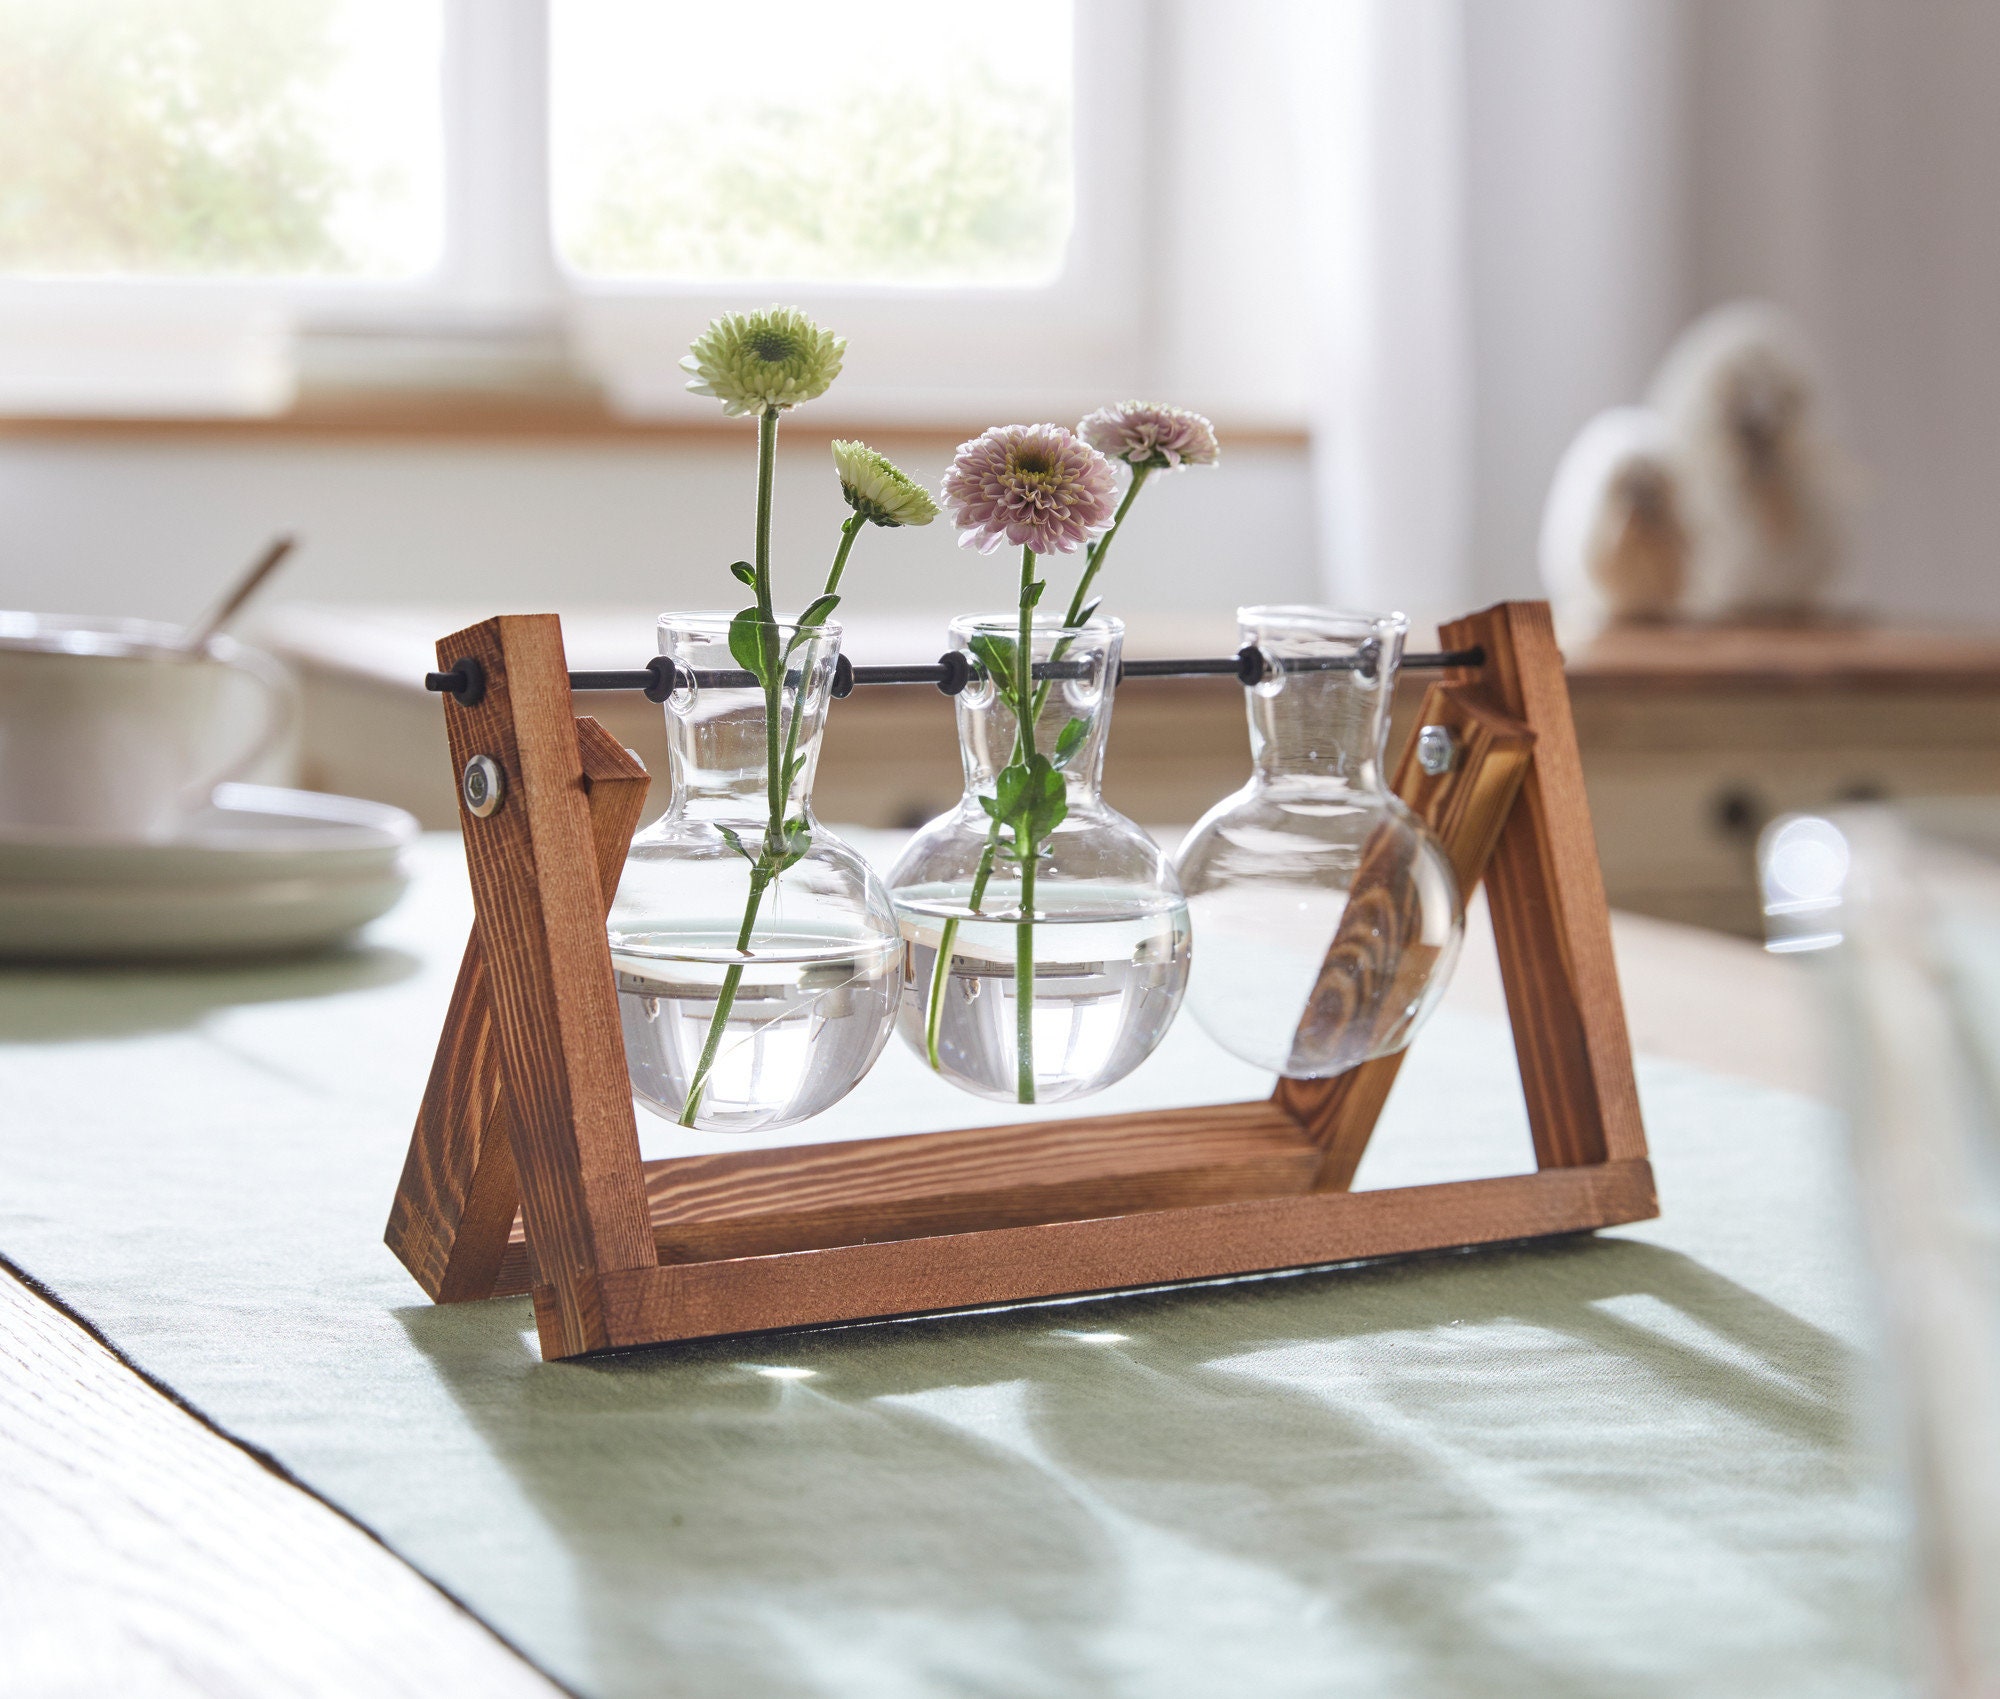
{"points": [[797, 839], [1031, 798], [992, 809], [1046, 799], [816, 614], [1010, 790], [1069, 740], [792, 772], [744, 572], [736, 843], [996, 655], [747, 634], [1031, 593], [1089, 610]]}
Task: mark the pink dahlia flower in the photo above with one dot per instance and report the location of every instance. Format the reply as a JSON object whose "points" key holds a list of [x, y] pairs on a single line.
{"points": [[1148, 435], [1035, 486]]}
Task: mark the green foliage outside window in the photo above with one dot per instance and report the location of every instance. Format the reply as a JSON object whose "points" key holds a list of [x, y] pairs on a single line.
{"points": [[965, 182], [169, 136]]}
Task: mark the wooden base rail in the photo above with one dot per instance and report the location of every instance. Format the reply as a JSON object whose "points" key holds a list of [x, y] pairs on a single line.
{"points": [[523, 1173]]}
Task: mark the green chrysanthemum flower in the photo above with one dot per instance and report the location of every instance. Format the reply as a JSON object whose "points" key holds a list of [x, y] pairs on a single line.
{"points": [[752, 362], [880, 490]]}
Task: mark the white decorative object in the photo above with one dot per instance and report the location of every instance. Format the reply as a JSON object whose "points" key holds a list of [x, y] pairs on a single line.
{"points": [[1614, 539], [1760, 482]]}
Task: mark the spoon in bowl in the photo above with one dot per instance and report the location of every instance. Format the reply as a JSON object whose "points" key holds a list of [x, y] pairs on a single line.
{"points": [[195, 640]]}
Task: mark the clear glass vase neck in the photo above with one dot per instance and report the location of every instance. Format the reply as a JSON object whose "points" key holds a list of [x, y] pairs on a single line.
{"points": [[1319, 717], [1081, 678], [723, 763]]}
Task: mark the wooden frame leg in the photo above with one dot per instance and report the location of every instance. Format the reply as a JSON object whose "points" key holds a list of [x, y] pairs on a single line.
{"points": [[1551, 919], [536, 886], [459, 1195]]}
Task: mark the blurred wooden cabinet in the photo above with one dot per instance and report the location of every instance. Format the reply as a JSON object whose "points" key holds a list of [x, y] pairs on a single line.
{"points": [[1692, 737]]}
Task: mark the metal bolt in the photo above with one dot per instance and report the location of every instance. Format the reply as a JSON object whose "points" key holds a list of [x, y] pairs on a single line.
{"points": [[483, 786], [1437, 749]]}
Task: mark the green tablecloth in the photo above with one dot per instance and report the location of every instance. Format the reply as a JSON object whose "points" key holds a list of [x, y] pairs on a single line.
{"points": [[1619, 1466]]}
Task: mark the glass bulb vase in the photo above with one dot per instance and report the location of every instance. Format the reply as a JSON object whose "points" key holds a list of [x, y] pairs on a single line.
{"points": [[1045, 934], [1328, 913], [757, 956]]}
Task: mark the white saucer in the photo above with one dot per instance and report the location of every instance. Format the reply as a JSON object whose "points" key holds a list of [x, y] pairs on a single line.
{"points": [[260, 871]]}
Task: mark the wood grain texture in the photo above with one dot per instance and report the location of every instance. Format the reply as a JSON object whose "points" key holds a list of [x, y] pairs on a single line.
{"points": [[458, 1183], [1466, 807], [1550, 916], [1013, 1264], [807, 1197], [143, 1553], [540, 908], [1377, 962], [459, 1196]]}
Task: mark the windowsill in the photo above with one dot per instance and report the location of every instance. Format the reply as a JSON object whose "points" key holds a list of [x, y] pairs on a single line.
{"points": [[500, 416]]}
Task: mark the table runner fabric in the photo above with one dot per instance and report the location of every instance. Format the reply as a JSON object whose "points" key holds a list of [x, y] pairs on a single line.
{"points": [[1625, 1464]]}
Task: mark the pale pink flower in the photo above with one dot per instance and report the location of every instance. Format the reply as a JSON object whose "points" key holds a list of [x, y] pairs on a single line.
{"points": [[1149, 435], [1035, 486]]}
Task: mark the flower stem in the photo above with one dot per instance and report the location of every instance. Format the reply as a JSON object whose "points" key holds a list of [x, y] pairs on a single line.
{"points": [[731, 982], [1093, 561], [774, 675], [765, 869], [1024, 844], [1024, 990], [848, 532], [940, 969], [1094, 557]]}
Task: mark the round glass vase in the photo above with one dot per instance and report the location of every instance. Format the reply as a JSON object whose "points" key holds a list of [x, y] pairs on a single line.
{"points": [[757, 956], [1329, 915], [1046, 951]]}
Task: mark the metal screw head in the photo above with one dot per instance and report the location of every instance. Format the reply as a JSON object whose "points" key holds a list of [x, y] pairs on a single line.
{"points": [[483, 785], [1437, 749]]}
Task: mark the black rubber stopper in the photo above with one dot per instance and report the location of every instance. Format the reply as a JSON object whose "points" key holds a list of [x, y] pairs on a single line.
{"points": [[843, 677], [465, 684], [666, 678], [956, 666]]}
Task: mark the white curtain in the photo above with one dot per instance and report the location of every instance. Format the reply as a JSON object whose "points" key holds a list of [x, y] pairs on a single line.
{"points": [[1490, 199], [1378, 89]]}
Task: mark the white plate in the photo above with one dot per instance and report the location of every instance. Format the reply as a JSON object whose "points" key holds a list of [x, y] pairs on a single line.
{"points": [[249, 833], [106, 923], [263, 871]]}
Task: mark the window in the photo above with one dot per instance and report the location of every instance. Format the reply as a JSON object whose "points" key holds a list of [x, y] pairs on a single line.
{"points": [[896, 143], [962, 193], [196, 138]]}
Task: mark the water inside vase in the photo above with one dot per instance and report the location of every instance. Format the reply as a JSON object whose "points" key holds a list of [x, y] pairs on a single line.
{"points": [[811, 1012], [1110, 964]]}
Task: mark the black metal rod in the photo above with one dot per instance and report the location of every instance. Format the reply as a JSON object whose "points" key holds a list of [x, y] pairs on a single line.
{"points": [[657, 680], [604, 681]]}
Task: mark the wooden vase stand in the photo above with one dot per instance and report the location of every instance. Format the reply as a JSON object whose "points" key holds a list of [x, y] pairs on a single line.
{"points": [[524, 1174]]}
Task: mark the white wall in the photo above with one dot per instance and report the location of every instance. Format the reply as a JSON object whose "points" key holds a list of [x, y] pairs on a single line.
{"points": [[1575, 245], [1627, 163], [1848, 160], [150, 526]]}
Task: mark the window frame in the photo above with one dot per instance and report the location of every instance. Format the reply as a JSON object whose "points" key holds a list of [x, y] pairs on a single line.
{"points": [[919, 354]]}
